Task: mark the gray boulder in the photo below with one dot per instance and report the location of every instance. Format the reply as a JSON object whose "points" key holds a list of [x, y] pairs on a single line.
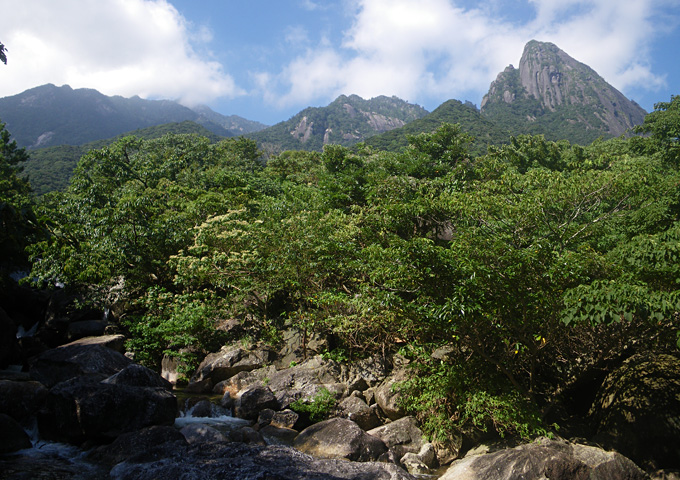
{"points": [[341, 439], [71, 361], [401, 436], [147, 444], [229, 361], [114, 342], [135, 375], [250, 401], [355, 409], [556, 460], [388, 397], [237, 460], [84, 409], [637, 411]]}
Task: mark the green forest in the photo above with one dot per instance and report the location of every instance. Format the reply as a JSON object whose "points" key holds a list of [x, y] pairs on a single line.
{"points": [[521, 268]]}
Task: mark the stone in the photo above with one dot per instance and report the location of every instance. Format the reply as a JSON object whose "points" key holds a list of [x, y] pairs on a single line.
{"points": [[71, 361], [237, 460], [83, 409], [86, 328], [403, 436], [13, 436], [170, 369], [637, 411], [135, 375], [388, 399], [252, 399], [200, 433], [355, 409], [229, 361], [553, 459], [413, 464], [114, 342], [21, 400], [143, 444], [341, 439], [273, 435]]}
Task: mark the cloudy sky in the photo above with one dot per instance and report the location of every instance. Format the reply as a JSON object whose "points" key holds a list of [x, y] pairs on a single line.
{"points": [[266, 60]]}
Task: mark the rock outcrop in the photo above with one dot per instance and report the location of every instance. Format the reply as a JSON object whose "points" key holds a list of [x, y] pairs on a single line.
{"points": [[551, 88], [637, 411], [556, 460]]}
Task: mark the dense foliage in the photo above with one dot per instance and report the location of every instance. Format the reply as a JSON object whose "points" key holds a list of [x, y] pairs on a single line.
{"points": [[501, 277]]}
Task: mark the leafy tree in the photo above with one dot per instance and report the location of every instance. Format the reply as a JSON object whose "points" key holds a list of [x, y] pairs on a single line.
{"points": [[3, 53], [17, 219], [663, 127]]}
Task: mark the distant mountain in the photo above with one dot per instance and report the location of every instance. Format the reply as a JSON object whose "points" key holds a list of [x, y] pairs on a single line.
{"points": [[50, 168], [48, 115], [484, 131], [553, 94], [346, 121]]}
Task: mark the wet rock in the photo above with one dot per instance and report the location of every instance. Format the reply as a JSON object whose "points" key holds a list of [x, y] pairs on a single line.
{"points": [[234, 460], [13, 436], [201, 433], [556, 460], [340, 438], [637, 411], [9, 347]]}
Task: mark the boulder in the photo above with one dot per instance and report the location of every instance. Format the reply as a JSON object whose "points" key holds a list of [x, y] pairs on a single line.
{"points": [[355, 409], [86, 328], [114, 342], [135, 375], [145, 444], [341, 439], [229, 361], [250, 401], [201, 433], [553, 459], [273, 435], [283, 419], [637, 411], [13, 436], [21, 400], [71, 361], [170, 369], [83, 409], [388, 398], [306, 381], [237, 460], [401, 436]]}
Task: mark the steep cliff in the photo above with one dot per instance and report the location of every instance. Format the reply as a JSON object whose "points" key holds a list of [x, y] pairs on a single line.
{"points": [[553, 94]]}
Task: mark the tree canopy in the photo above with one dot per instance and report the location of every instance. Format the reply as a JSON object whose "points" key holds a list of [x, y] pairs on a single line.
{"points": [[525, 265]]}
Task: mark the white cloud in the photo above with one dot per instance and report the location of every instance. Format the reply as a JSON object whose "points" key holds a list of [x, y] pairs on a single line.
{"points": [[418, 49], [122, 47]]}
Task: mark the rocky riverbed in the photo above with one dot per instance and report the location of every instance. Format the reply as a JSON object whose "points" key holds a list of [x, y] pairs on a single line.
{"points": [[84, 410]]}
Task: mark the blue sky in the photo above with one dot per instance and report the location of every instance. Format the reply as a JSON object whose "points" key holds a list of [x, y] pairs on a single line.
{"points": [[266, 60]]}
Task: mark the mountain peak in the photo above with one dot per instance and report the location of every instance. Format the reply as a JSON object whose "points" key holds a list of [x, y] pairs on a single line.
{"points": [[549, 84]]}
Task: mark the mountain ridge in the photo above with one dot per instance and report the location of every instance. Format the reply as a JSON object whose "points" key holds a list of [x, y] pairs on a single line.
{"points": [[550, 87], [48, 115]]}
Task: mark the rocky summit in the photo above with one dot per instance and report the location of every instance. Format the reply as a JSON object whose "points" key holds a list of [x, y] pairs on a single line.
{"points": [[553, 94]]}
